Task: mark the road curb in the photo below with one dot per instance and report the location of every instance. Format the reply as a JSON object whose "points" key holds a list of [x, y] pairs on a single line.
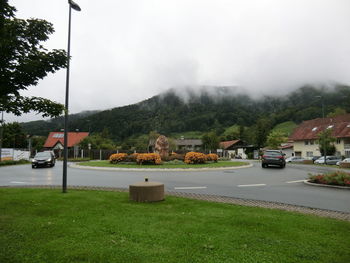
{"points": [[76, 166], [326, 185], [213, 198]]}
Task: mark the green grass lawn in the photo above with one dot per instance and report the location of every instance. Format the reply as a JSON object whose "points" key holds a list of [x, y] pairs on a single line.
{"points": [[164, 165], [40, 225]]}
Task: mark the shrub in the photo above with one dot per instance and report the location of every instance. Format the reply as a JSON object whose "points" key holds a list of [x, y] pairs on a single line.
{"points": [[117, 157], [174, 156], [212, 157], [334, 178], [131, 158], [195, 158], [148, 158]]}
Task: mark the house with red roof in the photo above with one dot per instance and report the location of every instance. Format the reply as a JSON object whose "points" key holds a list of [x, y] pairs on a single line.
{"points": [[233, 148], [55, 140], [305, 136]]}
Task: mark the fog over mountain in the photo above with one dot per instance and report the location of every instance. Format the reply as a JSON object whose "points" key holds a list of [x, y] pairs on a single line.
{"points": [[127, 51]]}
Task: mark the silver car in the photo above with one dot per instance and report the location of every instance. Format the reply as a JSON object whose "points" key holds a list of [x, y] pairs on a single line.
{"points": [[332, 160], [346, 160]]}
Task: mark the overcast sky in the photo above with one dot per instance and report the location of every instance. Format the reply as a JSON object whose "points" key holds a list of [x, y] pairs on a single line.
{"points": [[124, 51]]}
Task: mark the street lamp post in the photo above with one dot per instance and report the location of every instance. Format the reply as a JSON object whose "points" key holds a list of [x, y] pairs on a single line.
{"points": [[324, 139], [76, 7], [1, 133]]}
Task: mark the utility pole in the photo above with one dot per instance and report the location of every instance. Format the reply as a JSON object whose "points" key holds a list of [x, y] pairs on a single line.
{"points": [[1, 133]]}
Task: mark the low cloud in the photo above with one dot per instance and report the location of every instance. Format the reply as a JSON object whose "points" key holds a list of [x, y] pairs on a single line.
{"points": [[127, 51]]}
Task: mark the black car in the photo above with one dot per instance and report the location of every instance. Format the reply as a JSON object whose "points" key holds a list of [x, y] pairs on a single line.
{"points": [[273, 157], [43, 159]]}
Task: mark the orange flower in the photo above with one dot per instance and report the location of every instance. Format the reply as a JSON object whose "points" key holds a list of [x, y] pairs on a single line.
{"points": [[117, 157], [195, 158]]}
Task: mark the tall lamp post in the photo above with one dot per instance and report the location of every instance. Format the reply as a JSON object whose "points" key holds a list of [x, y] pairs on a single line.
{"points": [[76, 7], [324, 139], [1, 133]]}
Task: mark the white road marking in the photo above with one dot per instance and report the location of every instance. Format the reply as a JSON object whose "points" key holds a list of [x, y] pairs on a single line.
{"points": [[292, 182], [15, 182], [190, 187], [248, 185]]}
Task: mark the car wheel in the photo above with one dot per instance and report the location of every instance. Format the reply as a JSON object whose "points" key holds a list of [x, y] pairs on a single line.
{"points": [[33, 166], [263, 165]]}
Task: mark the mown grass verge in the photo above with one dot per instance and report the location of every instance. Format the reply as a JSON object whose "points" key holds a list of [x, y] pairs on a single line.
{"points": [[40, 225], [11, 162], [164, 165]]}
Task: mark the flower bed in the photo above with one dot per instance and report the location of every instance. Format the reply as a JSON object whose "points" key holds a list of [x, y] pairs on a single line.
{"points": [[148, 158], [195, 158], [117, 157], [340, 178], [212, 157]]}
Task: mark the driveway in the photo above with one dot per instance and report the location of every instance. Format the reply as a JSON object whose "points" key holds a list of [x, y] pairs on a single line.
{"points": [[256, 183]]}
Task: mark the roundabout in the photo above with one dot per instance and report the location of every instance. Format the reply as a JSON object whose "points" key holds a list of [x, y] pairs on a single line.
{"points": [[284, 186]]}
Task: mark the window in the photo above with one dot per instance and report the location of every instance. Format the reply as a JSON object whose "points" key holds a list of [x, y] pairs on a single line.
{"points": [[309, 154], [306, 142], [338, 141], [347, 153], [311, 142], [58, 135]]}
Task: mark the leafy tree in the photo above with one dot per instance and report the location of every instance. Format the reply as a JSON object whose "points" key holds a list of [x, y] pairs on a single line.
{"points": [[210, 141], [325, 141], [97, 141], [262, 129], [14, 136], [231, 133], [275, 138], [38, 142], [24, 61], [337, 111]]}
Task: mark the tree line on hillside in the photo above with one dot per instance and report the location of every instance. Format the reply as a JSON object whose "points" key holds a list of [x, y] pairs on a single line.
{"points": [[168, 114]]}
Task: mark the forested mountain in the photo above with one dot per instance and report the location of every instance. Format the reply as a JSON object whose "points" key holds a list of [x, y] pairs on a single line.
{"points": [[203, 110]]}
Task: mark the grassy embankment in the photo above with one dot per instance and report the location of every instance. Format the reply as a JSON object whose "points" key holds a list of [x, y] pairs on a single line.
{"points": [[40, 225], [177, 164]]}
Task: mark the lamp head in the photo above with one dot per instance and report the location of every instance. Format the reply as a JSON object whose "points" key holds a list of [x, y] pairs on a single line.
{"points": [[74, 5]]}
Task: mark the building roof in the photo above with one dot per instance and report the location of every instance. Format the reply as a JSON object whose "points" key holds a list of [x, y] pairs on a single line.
{"points": [[73, 138], [227, 144], [286, 146], [309, 130], [197, 142]]}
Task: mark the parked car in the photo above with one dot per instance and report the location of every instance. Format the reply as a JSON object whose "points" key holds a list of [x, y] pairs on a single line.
{"points": [[43, 159], [346, 160], [273, 157], [295, 159], [314, 158], [332, 160]]}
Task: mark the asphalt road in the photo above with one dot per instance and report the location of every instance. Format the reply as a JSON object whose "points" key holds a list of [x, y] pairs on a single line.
{"points": [[269, 184]]}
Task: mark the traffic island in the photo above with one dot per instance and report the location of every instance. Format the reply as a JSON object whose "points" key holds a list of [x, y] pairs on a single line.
{"points": [[146, 191]]}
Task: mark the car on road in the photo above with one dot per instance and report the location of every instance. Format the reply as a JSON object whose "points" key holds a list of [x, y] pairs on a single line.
{"points": [[273, 157], [332, 160], [314, 158], [295, 159], [346, 160], [43, 159]]}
